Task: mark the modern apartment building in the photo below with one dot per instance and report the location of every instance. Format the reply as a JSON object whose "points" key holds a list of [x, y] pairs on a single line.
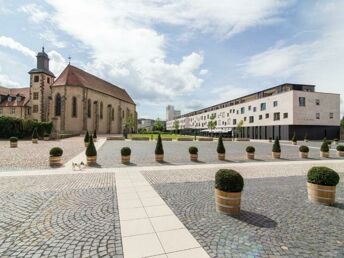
{"points": [[171, 113], [279, 111]]}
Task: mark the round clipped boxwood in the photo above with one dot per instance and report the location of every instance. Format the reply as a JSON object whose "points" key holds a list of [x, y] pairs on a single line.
{"points": [[323, 176], [250, 149], [193, 150], [340, 151], [13, 139], [228, 180], [340, 148], [324, 149], [304, 149], [125, 151], [56, 152]]}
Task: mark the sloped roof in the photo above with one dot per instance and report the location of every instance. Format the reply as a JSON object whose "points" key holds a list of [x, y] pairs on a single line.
{"points": [[73, 76], [13, 92]]}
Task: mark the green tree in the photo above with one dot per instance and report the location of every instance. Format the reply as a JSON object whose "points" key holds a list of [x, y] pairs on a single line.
{"points": [[239, 127], [158, 126], [130, 123], [176, 126], [212, 123]]}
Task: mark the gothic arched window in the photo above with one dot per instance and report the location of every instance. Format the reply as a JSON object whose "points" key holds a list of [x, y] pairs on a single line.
{"points": [[101, 110], [74, 107], [58, 105], [89, 108], [113, 114]]}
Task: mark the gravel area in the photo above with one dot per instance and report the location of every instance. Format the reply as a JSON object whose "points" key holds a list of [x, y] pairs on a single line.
{"points": [[36, 156], [59, 216]]}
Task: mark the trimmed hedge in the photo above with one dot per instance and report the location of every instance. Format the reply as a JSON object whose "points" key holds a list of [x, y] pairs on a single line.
{"points": [[324, 146], [56, 152], [276, 146], [340, 148], [91, 149], [229, 180], [322, 176], [125, 151], [220, 147], [250, 149], [193, 150], [304, 149], [159, 150]]}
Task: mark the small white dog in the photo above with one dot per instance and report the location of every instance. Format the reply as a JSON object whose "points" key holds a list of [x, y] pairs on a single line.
{"points": [[79, 166]]}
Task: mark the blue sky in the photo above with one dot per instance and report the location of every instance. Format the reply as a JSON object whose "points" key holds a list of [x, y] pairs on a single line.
{"points": [[187, 53]]}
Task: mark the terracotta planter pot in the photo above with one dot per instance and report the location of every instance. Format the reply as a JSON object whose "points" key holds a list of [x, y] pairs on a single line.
{"points": [[228, 203], [34, 140], [193, 157], [91, 160], [294, 143], [324, 154], [55, 161], [221, 156], [276, 155], [13, 144], [321, 194], [250, 155], [126, 159], [303, 155], [159, 157], [340, 154]]}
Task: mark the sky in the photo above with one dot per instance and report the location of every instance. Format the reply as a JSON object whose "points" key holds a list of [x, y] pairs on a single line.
{"points": [[190, 54]]}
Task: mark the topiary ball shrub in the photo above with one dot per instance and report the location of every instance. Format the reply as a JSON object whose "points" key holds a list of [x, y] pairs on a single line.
{"points": [[56, 152], [159, 150], [13, 139], [193, 150], [228, 180], [323, 176], [91, 149], [35, 133], [250, 149], [125, 151], [304, 149], [324, 146], [220, 147], [87, 137], [276, 147], [340, 148]]}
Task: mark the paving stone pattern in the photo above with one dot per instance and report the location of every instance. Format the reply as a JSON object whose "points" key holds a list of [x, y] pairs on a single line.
{"points": [[59, 215], [276, 219]]}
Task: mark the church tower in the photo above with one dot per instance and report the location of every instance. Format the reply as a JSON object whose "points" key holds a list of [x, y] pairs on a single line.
{"points": [[40, 80]]}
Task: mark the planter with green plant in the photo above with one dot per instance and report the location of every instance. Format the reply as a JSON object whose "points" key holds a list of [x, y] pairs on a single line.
{"points": [[250, 150], [294, 139], [125, 154], [86, 138], [193, 153], [221, 151], [95, 135], [306, 137], [336, 141], [276, 149], [55, 158], [228, 187], [91, 153], [324, 149], [35, 135], [13, 142], [303, 152], [159, 150], [340, 151], [46, 136], [321, 185]]}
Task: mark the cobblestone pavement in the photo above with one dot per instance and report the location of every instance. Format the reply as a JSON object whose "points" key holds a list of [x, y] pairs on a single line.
{"points": [[177, 152], [276, 218], [36, 156], [59, 215]]}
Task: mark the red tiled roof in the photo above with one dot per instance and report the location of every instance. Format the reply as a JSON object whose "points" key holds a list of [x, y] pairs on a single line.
{"points": [[73, 76], [13, 92]]}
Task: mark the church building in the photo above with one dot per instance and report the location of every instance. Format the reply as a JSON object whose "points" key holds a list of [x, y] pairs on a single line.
{"points": [[75, 101]]}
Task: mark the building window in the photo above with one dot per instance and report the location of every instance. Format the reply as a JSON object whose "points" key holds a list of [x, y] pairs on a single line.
{"points": [[234, 121], [285, 115], [251, 119], [122, 113], [262, 106], [245, 118], [89, 108], [267, 115], [48, 79], [242, 110], [276, 116], [275, 103], [254, 109], [317, 115], [35, 109], [260, 117], [13, 110], [237, 112], [317, 102], [302, 101], [249, 107], [36, 78], [331, 115], [113, 114], [35, 95], [9, 99], [57, 105], [74, 107], [101, 110]]}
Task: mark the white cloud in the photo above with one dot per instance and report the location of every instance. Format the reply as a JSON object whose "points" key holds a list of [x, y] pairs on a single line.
{"points": [[57, 62], [203, 72], [12, 44], [51, 37], [35, 12], [6, 81]]}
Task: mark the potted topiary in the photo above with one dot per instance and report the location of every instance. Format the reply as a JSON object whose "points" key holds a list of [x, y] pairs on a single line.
{"points": [[95, 135], [324, 149], [276, 149], [294, 140], [329, 142], [306, 137], [55, 157], [303, 152], [13, 142], [86, 139], [321, 185], [125, 153], [340, 151], [228, 187], [193, 153], [250, 150], [35, 135], [159, 150], [221, 151], [91, 153], [335, 140]]}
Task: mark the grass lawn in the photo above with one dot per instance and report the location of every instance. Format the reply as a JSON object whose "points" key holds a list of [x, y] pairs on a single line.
{"points": [[173, 136]]}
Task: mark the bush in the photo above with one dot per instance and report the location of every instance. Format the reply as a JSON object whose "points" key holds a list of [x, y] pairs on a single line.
{"points": [[324, 146], [228, 180], [125, 151], [220, 147], [95, 134], [56, 152], [294, 138], [159, 150], [322, 176], [250, 149], [304, 149], [87, 137], [35, 134], [340, 148], [276, 147], [193, 150], [91, 149], [13, 139]]}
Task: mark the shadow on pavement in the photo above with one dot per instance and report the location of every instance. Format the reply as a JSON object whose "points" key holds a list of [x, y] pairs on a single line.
{"points": [[256, 219]]}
